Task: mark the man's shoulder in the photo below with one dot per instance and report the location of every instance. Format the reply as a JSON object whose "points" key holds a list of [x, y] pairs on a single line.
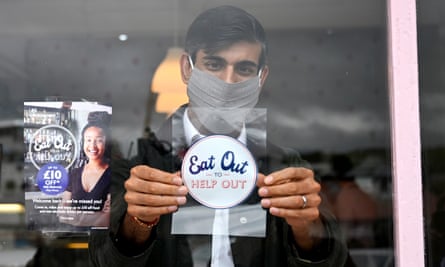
{"points": [[172, 123]]}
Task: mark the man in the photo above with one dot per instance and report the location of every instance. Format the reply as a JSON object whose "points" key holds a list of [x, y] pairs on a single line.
{"points": [[224, 67]]}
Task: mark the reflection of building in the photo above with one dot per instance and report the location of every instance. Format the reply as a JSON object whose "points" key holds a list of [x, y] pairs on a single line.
{"points": [[11, 180], [11, 160], [1, 159], [367, 179]]}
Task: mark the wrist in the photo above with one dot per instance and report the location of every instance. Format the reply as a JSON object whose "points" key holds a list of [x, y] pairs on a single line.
{"points": [[144, 224], [133, 237], [308, 235], [134, 231]]}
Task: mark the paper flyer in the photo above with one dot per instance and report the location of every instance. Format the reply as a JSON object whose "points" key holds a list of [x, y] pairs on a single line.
{"points": [[220, 173], [67, 170]]}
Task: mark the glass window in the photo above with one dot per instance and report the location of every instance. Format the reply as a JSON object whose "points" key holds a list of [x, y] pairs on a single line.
{"points": [[431, 43], [326, 100], [327, 96]]}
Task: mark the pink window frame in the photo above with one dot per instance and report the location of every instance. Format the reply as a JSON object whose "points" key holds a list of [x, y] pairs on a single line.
{"points": [[405, 127]]}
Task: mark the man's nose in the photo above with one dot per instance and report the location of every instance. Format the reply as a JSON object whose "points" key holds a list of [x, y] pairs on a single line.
{"points": [[229, 76]]}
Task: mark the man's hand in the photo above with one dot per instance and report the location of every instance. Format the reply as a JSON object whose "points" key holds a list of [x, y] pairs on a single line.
{"points": [[282, 193], [152, 193]]}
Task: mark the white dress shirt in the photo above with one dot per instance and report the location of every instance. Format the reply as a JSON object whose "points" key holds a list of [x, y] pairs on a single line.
{"points": [[221, 250]]}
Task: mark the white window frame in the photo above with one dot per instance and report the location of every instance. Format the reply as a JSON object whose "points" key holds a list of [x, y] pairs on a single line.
{"points": [[405, 133]]}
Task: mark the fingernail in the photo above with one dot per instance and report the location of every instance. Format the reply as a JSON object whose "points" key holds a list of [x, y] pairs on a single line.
{"points": [[265, 203], [177, 180], [182, 190], [273, 211], [181, 200], [172, 208], [268, 180], [262, 191]]}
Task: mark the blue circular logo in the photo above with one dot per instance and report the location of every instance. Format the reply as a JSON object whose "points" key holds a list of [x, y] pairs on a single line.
{"points": [[52, 179]]}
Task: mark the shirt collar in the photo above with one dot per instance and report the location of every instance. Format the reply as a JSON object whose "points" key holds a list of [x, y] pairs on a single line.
{"points": [[190, 131]]}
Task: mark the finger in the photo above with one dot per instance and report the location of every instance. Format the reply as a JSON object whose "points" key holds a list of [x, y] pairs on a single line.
{"points": [[145, 172], [150, 200], [156, 188], [309, 214], [287, 174], [291, 202], [260, 180], [304, 187]]}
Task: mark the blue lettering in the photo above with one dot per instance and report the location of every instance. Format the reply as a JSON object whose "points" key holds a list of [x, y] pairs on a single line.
{"points": [[228, 163], [196, 167]]}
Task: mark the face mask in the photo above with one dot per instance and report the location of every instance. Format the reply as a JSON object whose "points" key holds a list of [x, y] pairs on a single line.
{"points": [[221, 107]]}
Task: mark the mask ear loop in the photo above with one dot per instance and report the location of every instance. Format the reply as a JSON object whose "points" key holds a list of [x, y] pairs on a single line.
{"points": [[191, 62], [259, 76]]}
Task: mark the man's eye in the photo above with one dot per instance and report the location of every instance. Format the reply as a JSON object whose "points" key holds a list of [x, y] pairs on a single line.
{"points": [[213, 66], [246, 71]]}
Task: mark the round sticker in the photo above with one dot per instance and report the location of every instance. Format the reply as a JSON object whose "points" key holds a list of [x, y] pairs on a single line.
{"points": [[52, 144], [52, 179], [219, 171]]}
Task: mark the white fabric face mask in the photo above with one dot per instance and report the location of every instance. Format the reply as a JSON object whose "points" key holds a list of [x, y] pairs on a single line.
{"points": [[219, 106]]}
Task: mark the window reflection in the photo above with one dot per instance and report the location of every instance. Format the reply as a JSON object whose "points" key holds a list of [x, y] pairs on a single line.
{"points": [[327, 92], [431, 44], [326, 96]]}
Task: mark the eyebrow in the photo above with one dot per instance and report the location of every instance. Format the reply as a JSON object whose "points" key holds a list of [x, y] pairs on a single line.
{"points": [[216, 58], [243, 62]]}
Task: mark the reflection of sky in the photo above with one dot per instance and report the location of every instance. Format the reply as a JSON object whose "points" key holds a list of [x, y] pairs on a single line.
{"points": [[327, 91], [328, 130], [323, 129], [347, 122]]}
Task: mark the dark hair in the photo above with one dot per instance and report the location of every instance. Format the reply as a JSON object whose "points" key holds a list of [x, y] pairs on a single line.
{"points": [[220, 27], [101, 120]]}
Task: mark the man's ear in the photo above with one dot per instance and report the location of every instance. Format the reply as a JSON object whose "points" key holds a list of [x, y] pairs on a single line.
{"points": [[264, 74], [186, 68]]}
